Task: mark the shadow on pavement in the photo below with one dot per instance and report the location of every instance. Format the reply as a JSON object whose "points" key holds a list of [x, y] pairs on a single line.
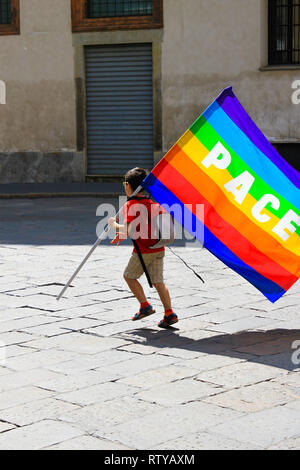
{"points": [[273, 347]]}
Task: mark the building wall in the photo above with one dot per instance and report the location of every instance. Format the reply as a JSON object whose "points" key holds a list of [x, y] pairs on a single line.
{"points": [[204, 47], [209, 45], [37, 131]]}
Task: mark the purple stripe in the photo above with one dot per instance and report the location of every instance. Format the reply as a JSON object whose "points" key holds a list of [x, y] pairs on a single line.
{"points": [[232, 107]]}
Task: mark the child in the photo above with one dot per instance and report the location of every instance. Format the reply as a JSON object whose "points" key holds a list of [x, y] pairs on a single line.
{"points": [[153, 258]]}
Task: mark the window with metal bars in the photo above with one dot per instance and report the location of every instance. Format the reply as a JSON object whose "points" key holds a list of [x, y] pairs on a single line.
{"points": [[100, 15], [9, 17], [5, 12], [118, 8], [284, 32]]}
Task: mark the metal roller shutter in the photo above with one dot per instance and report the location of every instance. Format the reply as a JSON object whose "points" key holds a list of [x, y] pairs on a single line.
{"points": [[119, 108]]}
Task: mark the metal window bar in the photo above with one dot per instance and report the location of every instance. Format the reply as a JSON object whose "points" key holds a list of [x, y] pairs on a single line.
{"points": [[5, 12], [118, 8], [284, 32]]}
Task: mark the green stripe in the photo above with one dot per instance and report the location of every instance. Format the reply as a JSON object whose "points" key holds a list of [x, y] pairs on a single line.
{"points": [[208, 137]]}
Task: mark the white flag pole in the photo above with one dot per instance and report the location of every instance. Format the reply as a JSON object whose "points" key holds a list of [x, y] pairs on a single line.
{"points": [[97, 243]]}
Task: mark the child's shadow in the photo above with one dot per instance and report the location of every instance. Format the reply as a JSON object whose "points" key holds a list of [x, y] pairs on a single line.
{"points": [[276, 348]]}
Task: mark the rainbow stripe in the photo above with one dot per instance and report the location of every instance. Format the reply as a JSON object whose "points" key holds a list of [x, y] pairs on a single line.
{"points": [[231, 230]]}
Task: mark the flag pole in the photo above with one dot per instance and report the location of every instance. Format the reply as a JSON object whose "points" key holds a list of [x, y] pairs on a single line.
{"points": [[97, 243]]}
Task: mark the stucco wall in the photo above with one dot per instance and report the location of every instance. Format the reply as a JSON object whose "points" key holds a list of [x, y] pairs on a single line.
{"points": [[37, 66], [204, 47], [209, 45]]}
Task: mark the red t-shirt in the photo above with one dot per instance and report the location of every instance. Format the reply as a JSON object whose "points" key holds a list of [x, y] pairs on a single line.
{"points": [[140, 212]]}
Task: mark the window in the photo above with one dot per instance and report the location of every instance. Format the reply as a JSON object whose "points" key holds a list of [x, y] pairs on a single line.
{"points": [[5, 12], [98, 15], [9, 17], [284, 32], [111, 8]]}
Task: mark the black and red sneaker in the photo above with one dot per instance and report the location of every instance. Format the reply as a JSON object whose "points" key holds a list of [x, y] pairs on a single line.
{"points": [[143, 313], [168, 320]]}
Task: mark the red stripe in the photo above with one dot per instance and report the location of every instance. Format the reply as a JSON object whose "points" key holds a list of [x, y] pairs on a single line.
{"points": [[238, 244]]}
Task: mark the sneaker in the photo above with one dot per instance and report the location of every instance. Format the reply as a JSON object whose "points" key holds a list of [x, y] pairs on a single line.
{"points": [[168, 321], [143, 313]]}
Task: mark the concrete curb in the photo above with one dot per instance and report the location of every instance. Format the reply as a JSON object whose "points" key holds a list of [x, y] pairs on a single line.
{"points": [[57, 195], [52, 190]]}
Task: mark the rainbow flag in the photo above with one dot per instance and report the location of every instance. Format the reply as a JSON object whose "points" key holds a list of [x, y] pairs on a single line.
{"points": [[251, 195]]}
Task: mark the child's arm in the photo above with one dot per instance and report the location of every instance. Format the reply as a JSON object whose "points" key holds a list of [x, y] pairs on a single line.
{"points": [[122, 230]]}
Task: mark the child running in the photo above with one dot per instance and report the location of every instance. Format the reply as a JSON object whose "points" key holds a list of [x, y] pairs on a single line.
{"points": [[153, 258]]}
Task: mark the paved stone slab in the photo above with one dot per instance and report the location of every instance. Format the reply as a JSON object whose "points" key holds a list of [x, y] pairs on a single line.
{"points": [[284, 325], [34, 377], [179, 392], [37, 436], [18, 314], [31, 412], [78, 343], [3, 370], [15, 351], [291, 379], [97, 393], [234, 300], [214, 361], [105, 415], [103, 362], [288, 300], [87, 443], [255, 397], [283, 342], [9, 301], [247, 373], [90, 311], [191, 324], [112, 328], [140, 364], [227, 315], [15, 338], [62, 383], [5, 427], [247, 338], [206, 441], [248, 323], [177, 421], [265, 428], [283, 361], [22, 323], [141, 348], [20, 396], [288, 444], [60, 327], [198, 310], [160, 376], [38, 359], [295, 405]]}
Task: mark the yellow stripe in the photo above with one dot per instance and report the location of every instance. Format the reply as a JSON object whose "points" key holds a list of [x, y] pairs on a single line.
{"points": [[197, 152]]}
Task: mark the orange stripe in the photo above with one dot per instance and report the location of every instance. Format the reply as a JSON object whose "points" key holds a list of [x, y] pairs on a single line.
{"points": [[229, 236], [213, 194], [196, 151]]}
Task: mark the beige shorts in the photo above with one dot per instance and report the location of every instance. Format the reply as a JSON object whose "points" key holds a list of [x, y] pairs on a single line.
{"points": [[154, 263]]}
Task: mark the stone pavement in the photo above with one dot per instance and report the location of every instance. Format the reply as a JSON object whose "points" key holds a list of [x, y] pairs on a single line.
{"points": [[79, 374]]}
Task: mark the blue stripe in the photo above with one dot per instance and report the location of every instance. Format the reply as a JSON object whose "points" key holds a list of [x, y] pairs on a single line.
{"points": [[162, 195], [235, 138]]}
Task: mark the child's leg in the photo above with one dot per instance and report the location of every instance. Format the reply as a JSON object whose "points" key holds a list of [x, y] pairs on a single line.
{"points": [[164, 295], [170, 318], [137, 289], [132, 273], [145, 308]]}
